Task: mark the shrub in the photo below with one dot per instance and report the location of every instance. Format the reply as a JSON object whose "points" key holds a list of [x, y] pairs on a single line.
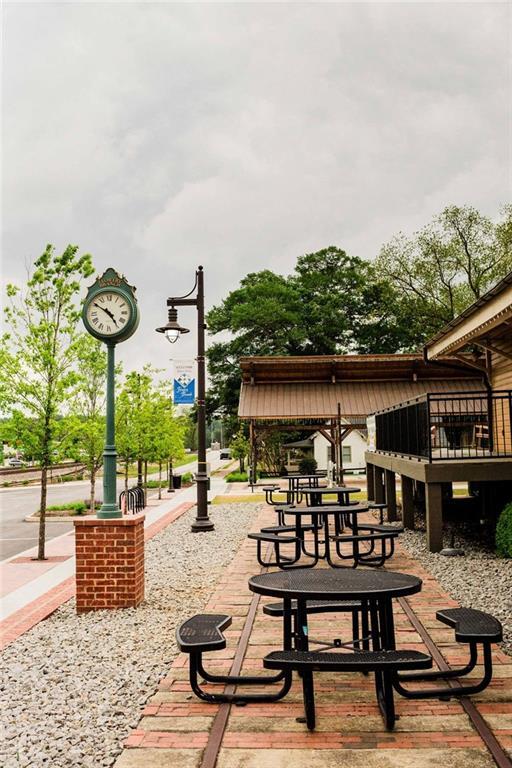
{"points": [[504, 532], [307, 465], [236, 477], [187, 477]]}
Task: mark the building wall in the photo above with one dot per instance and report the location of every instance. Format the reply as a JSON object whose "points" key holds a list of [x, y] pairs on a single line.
{"points": [[354, 441], [501, 378]]}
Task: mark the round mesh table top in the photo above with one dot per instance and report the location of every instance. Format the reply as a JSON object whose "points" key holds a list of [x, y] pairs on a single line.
{"points": [[334, 509], [334, 490], [339, 584]]}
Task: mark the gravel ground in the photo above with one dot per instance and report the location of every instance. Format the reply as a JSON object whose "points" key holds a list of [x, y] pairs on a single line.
{"points": [[477, 580], [73, 686]]}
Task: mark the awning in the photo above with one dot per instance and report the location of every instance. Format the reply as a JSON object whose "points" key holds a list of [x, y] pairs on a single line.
{"points": [[295, 402]]}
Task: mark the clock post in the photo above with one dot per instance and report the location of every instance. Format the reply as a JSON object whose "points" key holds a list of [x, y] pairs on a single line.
{"points": [[110, 314], [110, 547], [110, 508]]}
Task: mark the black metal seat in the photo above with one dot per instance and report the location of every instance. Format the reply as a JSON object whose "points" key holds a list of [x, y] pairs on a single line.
{"points": [[367, 557], [203, 632], [379, 508], [378, 528], [355, 661], [287, 528], [315, 606], [277, 540], [384, 663], [473, 627]]}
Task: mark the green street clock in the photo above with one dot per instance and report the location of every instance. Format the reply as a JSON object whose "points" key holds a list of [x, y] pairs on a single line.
{"points": [[110, 314], [110, 311]]}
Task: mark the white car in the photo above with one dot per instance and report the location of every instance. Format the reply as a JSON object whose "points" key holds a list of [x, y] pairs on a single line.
{"points": [[15, 463]]}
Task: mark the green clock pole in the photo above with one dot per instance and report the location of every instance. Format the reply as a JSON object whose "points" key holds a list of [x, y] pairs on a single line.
{"points": [[109, 508]]}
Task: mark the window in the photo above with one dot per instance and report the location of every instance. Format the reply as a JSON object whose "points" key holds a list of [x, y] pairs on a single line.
{"points": [[346, 454]]}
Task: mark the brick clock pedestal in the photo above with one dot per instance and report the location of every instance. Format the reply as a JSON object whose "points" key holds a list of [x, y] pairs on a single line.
{"points": [[109, 562]]}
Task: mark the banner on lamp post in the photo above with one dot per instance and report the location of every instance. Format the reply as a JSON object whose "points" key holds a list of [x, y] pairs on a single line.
{"points": [[184, 382]]}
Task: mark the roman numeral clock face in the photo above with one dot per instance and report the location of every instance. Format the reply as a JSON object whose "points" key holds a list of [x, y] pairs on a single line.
{"points": [[108, 313]]}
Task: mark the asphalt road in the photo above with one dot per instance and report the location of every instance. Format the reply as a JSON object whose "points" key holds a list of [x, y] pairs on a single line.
{"points": [[16, 535]]}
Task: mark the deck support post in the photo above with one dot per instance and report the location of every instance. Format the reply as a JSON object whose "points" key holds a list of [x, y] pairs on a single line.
{"points": [[407, 502], [434, 510], [370, 482], [390, 495], [378, 474]]}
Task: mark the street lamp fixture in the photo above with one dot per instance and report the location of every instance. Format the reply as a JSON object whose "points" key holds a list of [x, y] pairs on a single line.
{"points": [[173, 331]]}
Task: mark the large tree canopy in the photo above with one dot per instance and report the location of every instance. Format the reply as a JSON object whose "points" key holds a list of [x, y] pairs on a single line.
{"points": [[448, 264], [334, 303]]}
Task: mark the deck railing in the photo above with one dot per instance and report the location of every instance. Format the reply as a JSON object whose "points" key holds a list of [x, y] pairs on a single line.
{"points": [[459, 425]]}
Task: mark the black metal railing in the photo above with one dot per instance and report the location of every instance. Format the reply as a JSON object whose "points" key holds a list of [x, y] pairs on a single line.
{"points": [[460, 425]]}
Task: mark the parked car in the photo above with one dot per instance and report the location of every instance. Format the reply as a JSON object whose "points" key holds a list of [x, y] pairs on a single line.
{"points": [[15, 463], [225, 453]]}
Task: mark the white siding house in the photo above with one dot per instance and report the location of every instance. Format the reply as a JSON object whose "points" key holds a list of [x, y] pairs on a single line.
{"points": [[353, 446]]}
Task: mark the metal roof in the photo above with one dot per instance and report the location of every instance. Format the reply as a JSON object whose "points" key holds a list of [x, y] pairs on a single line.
{"points": [[338, 368], [496, 290], [357, 399]]}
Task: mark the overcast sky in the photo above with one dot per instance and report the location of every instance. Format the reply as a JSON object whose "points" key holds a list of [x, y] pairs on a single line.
{"points": [[160, 136]]}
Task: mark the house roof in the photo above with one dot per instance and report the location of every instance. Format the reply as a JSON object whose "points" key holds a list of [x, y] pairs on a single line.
{"points": [[340, 368], [487, 315], [357, 399]]}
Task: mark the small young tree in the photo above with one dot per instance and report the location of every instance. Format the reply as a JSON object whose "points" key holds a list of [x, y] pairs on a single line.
{"points": [[87, 424], [39, 351], [239, 448]]}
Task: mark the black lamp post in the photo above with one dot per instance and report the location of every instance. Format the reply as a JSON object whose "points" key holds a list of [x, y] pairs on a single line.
{"points": [[172, 332]]}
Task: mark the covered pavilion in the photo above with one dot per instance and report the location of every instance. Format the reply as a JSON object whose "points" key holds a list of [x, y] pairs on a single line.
{"points": [[333, 394]]}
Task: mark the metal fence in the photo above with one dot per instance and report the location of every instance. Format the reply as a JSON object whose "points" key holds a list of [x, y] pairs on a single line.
{"points": [[435, 427]]}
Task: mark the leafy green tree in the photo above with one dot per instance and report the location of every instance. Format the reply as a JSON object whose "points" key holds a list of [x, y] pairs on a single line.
{"points": [[166, 432], [239, 448], [87, 422], [39, 351], [333, 303], [448, 264], [133, 420]]}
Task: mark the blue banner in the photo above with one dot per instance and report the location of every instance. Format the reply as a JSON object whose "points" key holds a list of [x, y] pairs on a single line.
{"points": [[184, 384]]}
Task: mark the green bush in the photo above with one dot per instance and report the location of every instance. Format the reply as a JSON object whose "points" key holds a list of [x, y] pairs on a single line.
{"points": [[236, 477], [307, 465], [187, 477], [504, 532]]}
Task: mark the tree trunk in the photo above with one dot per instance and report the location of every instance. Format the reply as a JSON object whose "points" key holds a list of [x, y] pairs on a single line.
{"points": [[145, 476], [92, 500], [126, 472], [159, 479], [242, 463], [42, 515]]}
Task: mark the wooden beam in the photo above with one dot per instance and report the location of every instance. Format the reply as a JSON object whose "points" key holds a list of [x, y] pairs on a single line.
{"points": [[434, 509], [407, 502], [491, 348], [390, 495]]}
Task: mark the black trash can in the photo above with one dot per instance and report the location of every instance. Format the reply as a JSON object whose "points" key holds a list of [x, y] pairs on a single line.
{"points": [[176, 482]]}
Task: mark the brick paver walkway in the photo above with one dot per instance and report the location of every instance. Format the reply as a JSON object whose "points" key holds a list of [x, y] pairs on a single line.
{"points": [[176, 728]]}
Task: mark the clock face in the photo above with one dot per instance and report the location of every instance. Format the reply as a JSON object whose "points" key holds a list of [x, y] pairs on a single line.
{"points": [[108, 313]]}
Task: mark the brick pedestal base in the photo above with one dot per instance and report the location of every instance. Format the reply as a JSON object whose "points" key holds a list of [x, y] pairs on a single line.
{"points": [[109, 563]]}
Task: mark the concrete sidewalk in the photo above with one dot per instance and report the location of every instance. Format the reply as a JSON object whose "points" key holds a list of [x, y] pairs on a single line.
{"points": [[31, 589], [178, 729]]}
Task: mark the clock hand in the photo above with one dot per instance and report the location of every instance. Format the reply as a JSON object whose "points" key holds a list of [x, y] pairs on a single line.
{"points": [[108, 313]]}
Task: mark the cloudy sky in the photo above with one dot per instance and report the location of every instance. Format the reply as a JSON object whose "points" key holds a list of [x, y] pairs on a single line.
{"points": [[160, 136]]}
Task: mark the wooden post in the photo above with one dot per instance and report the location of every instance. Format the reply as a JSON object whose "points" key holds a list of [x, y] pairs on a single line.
{"points": [[434, 509], [391, 495], [378, 474], [370, 482], [407, 502]]}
